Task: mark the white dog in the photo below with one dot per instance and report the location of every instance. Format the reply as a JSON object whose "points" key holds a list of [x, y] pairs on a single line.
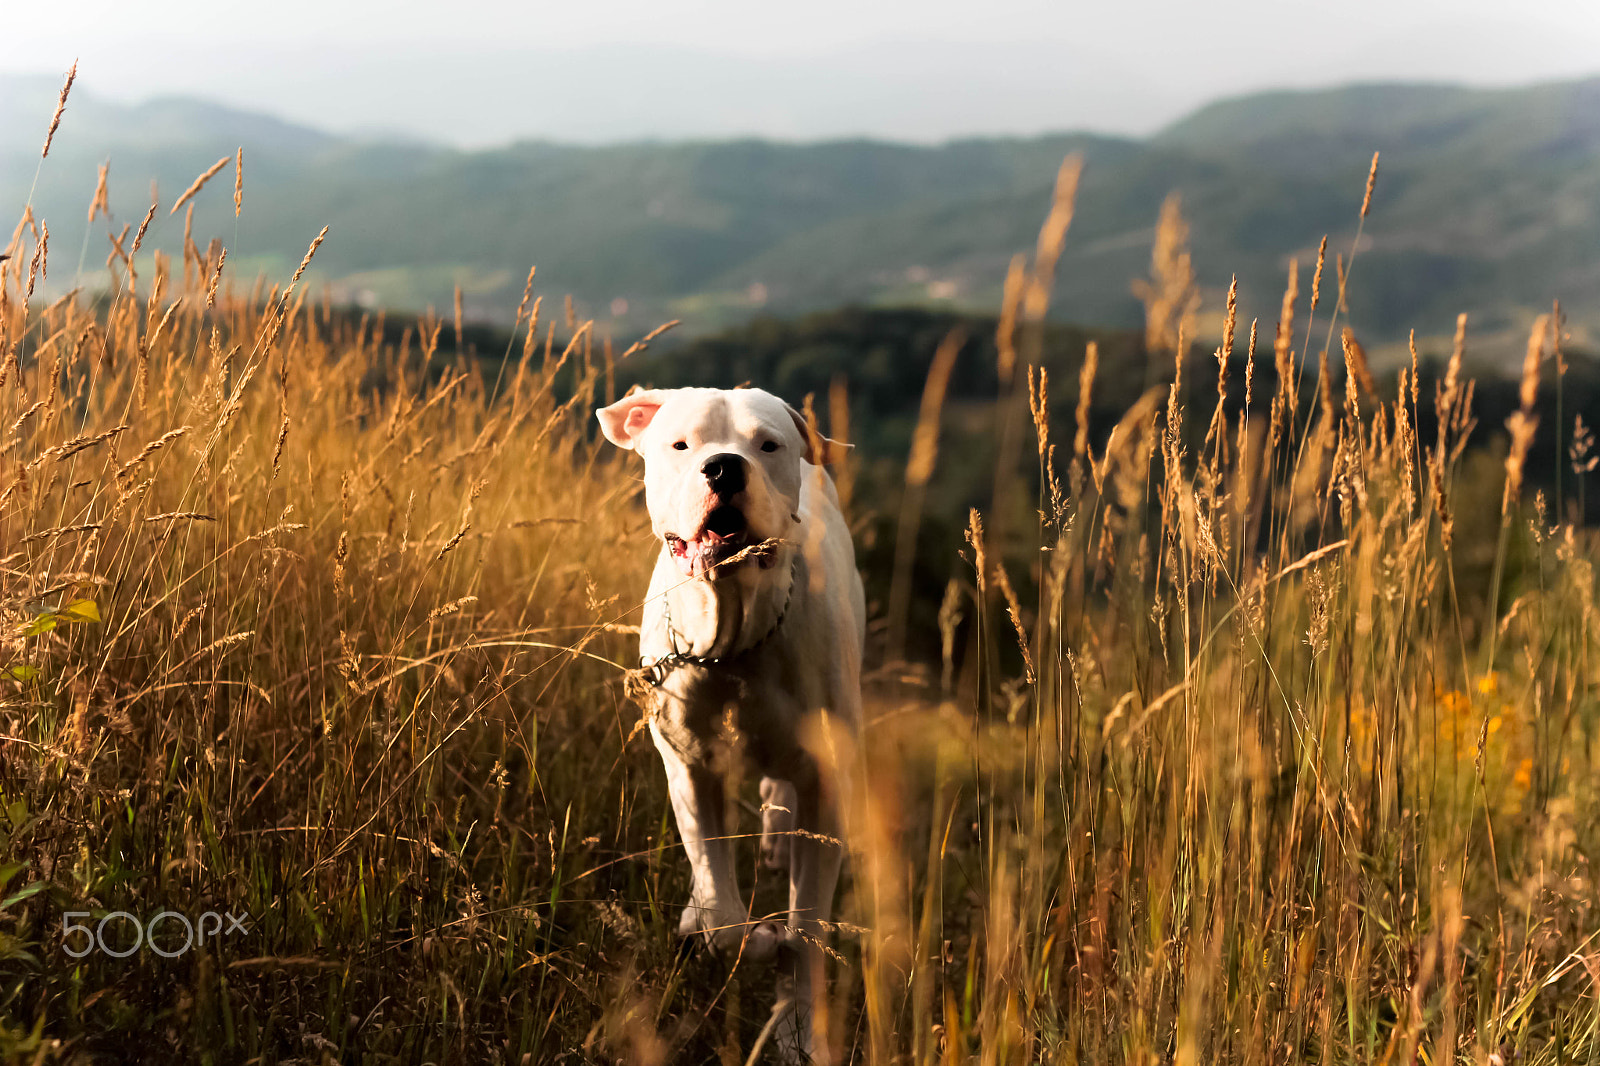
{"points": [[773, 637]]}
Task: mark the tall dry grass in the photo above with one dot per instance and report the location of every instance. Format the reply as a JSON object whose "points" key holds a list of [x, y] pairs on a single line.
{"points": [[1260, 786], [299, 623], [1223, 763]]}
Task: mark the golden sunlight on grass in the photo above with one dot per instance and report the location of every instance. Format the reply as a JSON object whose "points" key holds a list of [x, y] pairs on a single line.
{"points": [[1227, 761]]}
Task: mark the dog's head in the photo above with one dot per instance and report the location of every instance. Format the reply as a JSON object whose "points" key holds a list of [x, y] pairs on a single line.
{"points": [[723, 468]]}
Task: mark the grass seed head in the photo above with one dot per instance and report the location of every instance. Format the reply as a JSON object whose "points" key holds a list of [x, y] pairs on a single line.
{"points": [[1316, 277], [1091, 362], [61, 105], [101, 203], [1372, 181], [199, 183]]}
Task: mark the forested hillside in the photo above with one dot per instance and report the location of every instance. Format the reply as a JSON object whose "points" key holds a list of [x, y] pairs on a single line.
{"points": [[1487, 200]]}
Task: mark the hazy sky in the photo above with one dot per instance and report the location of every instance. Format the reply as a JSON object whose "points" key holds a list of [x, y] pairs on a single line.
{"points": [[476, 72]]}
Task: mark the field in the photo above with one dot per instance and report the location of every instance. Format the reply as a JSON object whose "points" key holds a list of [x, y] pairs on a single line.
{"points": [[1263, 729]]}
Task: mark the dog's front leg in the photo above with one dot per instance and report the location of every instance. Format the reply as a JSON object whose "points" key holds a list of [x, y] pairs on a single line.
{"points": [[715, 908], [815, 858]]}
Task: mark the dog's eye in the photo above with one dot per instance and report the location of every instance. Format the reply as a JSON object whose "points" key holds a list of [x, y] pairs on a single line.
{"points": [[770, 446], [682, 445]]}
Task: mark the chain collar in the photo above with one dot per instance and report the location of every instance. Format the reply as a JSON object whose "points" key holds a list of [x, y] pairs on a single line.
{"points": [[656, 671]]}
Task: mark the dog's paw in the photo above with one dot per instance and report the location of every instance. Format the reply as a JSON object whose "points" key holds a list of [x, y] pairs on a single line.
{"points": [[746, 942], [762, 943], [731, 938]]}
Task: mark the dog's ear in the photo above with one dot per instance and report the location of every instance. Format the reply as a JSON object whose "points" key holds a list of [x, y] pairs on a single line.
{"points": [[624, 420], [820, 450]]}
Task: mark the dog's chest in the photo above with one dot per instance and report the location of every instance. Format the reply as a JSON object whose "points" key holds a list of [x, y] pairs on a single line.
{"points": [[705, 712]]}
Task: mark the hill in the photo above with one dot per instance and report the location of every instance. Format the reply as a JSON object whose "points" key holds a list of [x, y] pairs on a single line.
{"points": [[1489, 201]]}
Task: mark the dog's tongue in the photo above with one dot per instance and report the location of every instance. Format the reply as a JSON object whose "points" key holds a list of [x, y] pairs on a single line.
{"points": [[695, 557], [689, 555], [715, 541]]}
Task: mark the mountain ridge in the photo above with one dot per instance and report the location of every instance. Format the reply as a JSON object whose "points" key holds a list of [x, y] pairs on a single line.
{"points": [[1488, 202]]}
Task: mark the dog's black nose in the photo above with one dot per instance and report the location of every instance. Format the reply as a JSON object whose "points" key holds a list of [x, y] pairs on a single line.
{"points": [[725, 473]]}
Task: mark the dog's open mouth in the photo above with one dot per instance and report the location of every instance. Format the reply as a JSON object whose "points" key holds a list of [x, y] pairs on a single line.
{"points": [[724, 533]]}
